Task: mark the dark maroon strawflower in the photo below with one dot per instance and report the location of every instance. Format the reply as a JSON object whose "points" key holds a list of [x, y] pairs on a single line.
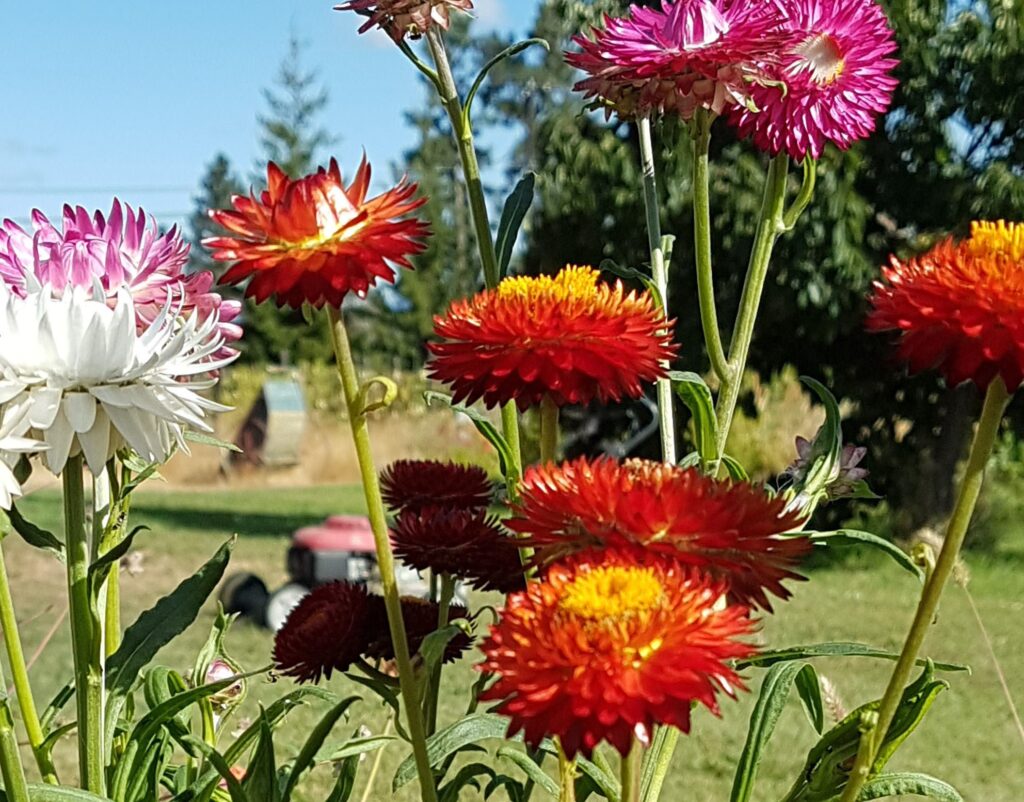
{"points": [[411, 484]]}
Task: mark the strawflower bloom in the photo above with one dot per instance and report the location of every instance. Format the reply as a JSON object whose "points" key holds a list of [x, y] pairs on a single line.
{"points": [[959, 307], [412, 484], [467, 544], [405, 17], [313, 240], [569, 337], [690, 54], [101, 255], [12, 448], [834, 79], [76, 374], [420, 617], [728, 529], [608, 645], [327, 631]]}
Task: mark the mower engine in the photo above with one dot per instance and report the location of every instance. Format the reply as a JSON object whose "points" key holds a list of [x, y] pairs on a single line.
{"points": [[340, 549]]}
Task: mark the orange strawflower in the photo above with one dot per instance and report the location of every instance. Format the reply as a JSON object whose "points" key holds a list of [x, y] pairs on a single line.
{"points": [[566, 336], [607, 645], [728, 529], [959, 307], [314, 240]]}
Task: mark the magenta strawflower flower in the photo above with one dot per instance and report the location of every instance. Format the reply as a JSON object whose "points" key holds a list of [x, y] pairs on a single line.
{"points": [[105, 254], [835, 78], [690, 54]]}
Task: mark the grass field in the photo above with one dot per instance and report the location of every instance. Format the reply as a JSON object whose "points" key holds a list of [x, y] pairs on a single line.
{"points": [[969, 739]]}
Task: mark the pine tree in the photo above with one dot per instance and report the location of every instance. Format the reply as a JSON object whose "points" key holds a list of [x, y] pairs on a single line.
{"points": [[217, 186]]}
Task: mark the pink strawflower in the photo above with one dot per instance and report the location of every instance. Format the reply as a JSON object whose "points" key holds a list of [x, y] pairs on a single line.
{"points": [[104, 254], [405, 17], [691, 54], [836, 75]]}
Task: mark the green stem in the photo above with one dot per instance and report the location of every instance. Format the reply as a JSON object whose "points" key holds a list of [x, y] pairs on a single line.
{"points": [[15, 787], [769, 227], [996, 399], [385, 557], [85, 644], [630, 768], [659, 272], [444, 605], [19, 672], [463, 133], [566, 775], [657, 762], [112, 610], [803, 196], [701, 133], [548, 430]]}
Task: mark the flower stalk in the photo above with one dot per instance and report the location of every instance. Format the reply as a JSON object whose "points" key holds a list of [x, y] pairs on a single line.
{"points": [[447, 593], [701, 133], [996, 399], [657, 762], [385, 557], [631, 772], [566, 775], [11, 768], [770, 225], [549, 434], [463, 131], [19, 674], [659, 272], [84, 640]]}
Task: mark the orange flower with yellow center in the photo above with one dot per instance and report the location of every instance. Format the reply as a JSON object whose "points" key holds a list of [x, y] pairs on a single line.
{"points": [[570, 337], [610, 644], [730, 530], [959, 307], [314, 240]]}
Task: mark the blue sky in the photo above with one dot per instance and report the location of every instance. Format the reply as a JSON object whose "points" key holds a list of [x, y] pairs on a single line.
{"points": [[134, 98]]}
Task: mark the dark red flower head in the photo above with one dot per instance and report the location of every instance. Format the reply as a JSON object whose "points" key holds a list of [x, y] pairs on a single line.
{"points": [[731, 530], [410, 484], [420, 617], [568, 337], [314, 240], [610, 644], [959, 308], [467, 544], [326, 632]]}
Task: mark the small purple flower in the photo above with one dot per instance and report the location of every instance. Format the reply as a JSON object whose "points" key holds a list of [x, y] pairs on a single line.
{"points": [[847, 477], [103, 254]]}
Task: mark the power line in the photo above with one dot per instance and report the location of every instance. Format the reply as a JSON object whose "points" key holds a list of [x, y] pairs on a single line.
{"points": [[121, 190]]}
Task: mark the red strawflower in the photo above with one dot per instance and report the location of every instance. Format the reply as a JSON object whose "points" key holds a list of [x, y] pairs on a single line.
{"points": [[410, 484], [314, 240], [728, 529], [420, 617], [326, 632], [610, 644], [567, 336], [402, 17], [959, 307], [467, 544]]}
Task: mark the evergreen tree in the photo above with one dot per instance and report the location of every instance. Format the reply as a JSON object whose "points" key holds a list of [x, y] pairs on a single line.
{"points": [[217, 186]]}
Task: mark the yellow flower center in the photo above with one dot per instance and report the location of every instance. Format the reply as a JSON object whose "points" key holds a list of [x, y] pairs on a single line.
{"points": [[612, 594], [997, 239], [572, 283], [822, 57]]}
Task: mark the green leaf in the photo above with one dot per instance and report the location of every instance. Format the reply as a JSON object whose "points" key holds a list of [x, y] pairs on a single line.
{"points": [[157, 626], [842, 538], [507, 53], [388, 694], [260, 781], [50, 793], [836, 649], [467, 776], [695, 393], [512, 216], [360, 746], [736, 471], [483, 425], [204, 439], [826, 449], [769, 706], [905, 783], [433, 647], [346, 781], [632, 274], [809, 689], [470, 730], [100, 570], [608, 784], [529, 767], [34, 535], [220, 765], [314, 742]]}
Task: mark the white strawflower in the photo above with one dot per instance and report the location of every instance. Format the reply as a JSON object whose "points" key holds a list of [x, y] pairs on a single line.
{"points": [[77, 374], [11, 448]]}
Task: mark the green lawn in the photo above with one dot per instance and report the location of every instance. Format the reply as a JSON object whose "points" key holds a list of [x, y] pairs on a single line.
{"points": [[969, 738]]}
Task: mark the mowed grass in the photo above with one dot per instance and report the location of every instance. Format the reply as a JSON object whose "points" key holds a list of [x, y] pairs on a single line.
{"points": [[969, 738]]}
